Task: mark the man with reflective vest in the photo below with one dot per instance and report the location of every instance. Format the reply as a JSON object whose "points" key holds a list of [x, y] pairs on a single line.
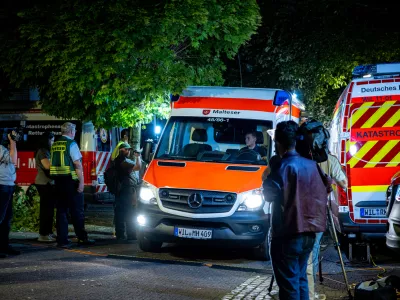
{"points": [[66, 169]]}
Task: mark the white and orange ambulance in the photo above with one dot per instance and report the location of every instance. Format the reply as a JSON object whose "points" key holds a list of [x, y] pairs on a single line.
{"points": [[365, 136], [202, 184]]}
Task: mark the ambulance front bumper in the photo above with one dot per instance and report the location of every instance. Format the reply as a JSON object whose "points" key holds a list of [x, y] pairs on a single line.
{"points": [[241, 230]]}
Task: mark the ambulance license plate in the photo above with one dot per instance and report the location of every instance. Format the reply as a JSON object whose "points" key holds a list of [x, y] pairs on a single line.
{"points": [[373, 212], [190, 233]]}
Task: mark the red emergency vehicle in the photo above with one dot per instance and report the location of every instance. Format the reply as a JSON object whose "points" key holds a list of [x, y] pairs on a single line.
{"points": [[365, 136], [95, 144]]}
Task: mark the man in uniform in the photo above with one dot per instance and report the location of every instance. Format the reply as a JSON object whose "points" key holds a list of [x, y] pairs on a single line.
{"points": [[66, 169]]}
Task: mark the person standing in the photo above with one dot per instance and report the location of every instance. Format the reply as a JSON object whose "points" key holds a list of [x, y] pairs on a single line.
{"points": [[124, 139], [333, 169], [66, 169], [299, 198], [45, 186], [125, 201], [8, 161]]}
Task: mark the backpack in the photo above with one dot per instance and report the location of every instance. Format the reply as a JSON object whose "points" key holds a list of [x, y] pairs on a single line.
{"points": [[312, 141], [111, 179], [381, 289]]}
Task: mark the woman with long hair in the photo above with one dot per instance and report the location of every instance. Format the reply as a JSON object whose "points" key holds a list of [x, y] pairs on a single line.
{"points": [[45, 187]]}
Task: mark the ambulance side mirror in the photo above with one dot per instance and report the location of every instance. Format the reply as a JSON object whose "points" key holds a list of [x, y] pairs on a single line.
{"points": [[147, 150]]}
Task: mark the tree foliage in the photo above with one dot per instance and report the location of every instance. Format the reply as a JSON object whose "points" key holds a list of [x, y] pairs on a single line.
{"points": [[26, 210], [116, 62], [311, 47]]}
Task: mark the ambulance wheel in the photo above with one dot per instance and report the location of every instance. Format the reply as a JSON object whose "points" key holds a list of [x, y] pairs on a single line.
{"points": [[147, 245], [262, 251]]}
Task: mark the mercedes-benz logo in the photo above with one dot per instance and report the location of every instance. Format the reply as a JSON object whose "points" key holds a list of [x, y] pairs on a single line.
{"points": [[195, 200]]}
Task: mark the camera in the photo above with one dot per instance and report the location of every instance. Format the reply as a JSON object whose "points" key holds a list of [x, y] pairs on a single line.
{"points": [[16, 135]]}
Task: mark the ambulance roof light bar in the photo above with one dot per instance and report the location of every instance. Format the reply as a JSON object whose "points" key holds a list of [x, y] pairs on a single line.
{"points": [[367, 71]]}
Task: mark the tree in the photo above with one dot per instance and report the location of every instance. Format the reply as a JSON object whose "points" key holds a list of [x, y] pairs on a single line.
{"points": [[115, 62], [311, 47]]}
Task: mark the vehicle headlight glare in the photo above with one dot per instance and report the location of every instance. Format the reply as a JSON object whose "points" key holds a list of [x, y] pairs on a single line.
{"points": [[146, 194], [253, 201], [353, 150], [141, 220]]}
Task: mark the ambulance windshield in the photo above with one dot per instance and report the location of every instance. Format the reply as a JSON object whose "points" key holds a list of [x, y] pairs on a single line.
{"points": [[213, 139]]}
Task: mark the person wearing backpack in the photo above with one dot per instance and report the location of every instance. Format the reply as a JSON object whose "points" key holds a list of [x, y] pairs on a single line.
{"points": [[125, 200]]}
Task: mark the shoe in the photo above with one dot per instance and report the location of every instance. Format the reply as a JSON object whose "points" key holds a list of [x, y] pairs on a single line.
{"points": [[10, 251], [318, 296], [46, 239], [65, 246], [86, 242]]}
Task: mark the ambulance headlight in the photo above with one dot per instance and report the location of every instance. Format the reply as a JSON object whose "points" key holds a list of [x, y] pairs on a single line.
{"points": [[147, 194], [353, 150], [252, 200]]}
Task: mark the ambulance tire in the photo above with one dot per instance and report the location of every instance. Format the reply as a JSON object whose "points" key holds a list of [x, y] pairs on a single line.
{"points": [[147, 245], [262, 251]]}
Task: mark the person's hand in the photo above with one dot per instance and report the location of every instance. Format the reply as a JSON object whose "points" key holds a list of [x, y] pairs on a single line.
{"points": [[264, 158], [80, 187], [9, 137], [137, 154]]}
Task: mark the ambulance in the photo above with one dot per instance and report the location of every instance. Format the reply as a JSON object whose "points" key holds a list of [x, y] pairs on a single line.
{"points": [[202, 186], [365, 136], [95, 145]]}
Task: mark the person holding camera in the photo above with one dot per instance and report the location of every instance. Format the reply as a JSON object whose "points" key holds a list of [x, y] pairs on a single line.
{"points": [[333, 169], [299, 197], [66, 169], [8, 161], [45, 186], [125, 201]]}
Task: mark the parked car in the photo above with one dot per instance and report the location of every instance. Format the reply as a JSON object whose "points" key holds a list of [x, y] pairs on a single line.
{"points": [[393, 212]]}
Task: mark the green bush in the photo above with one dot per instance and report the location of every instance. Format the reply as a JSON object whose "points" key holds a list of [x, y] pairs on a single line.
{"points": [[26, 208]]}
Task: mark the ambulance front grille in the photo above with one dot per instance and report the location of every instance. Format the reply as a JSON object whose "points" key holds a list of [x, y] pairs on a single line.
{"points": [[197, 201]]}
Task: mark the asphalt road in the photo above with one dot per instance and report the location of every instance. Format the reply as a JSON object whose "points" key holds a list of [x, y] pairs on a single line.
{"points": [[112, 270]]}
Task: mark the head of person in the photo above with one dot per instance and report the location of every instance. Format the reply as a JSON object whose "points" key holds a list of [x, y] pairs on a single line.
{"points": [[125, 135], [285, 136], [124, 149], [68, 129], [47, 140], [251, 139]]}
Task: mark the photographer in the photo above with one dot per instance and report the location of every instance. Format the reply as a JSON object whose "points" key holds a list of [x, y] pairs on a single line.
{"points": [[125, 201], [8, 161], [299, 201]]}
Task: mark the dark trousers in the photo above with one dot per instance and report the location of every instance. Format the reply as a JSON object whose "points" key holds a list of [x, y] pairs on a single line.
{"points": [[47, 206], [6, 198], [124, 213], [69, 200], [289, 261]]}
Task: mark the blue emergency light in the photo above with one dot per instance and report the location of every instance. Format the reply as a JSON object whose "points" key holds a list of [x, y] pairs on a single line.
{"points": [[376, 69]]}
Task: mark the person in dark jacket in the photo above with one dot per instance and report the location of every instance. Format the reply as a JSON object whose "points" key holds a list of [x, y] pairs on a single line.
{"points": [[45, 186], [299, 199], [125, 200]]}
